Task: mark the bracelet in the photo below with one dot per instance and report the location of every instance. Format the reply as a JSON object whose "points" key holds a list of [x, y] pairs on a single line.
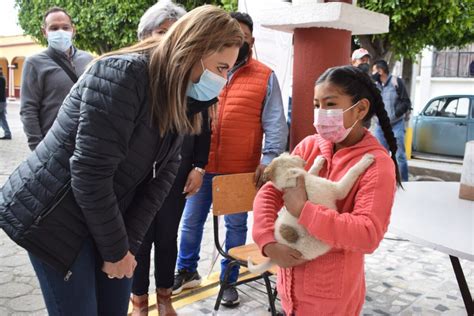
{"points": [[200, 170]]}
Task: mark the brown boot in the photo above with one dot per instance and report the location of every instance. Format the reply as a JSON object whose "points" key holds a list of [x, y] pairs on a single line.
{"points": [[140, 305], [163, 302]]}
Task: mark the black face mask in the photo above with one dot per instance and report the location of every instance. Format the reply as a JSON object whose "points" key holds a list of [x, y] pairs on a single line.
{"points": [[376, 76], [194, 106], [364, 67], [243, 53]]}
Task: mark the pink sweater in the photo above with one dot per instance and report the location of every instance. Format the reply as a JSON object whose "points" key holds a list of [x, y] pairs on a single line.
{"points": [[334, 283]]}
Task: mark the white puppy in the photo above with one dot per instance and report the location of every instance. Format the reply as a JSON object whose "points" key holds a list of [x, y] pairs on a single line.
{"points": [[283, 172]]}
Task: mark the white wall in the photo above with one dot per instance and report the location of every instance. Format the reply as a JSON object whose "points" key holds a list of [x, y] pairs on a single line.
{"points": [[427, 87], [441, 86], [273, 48]]}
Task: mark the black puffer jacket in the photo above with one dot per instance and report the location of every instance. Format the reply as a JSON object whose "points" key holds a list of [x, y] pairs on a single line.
{"points": [[101, 170]]}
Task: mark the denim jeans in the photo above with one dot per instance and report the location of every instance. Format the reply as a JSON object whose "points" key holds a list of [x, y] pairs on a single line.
{"points": [[192, 227], [88, 292], [3, 119], [399, 132]]}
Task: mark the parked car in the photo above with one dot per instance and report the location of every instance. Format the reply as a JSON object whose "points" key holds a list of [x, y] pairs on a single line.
{"points": [[444, 125]]}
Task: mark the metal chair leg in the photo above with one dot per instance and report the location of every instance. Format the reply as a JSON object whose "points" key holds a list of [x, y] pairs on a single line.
{"points": [[275, 293], [224, 284], [271, 298]]}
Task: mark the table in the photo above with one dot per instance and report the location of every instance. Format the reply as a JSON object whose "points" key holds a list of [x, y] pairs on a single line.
{"points": [[431, 214]]}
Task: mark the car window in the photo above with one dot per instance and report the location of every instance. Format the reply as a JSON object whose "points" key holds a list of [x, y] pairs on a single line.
{"points": [[462, 110], [449, 109], [456, 107], [472, 108], [434, 108]]}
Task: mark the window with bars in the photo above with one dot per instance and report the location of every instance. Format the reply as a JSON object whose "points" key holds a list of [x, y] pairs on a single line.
{"points": [[454, 63]]}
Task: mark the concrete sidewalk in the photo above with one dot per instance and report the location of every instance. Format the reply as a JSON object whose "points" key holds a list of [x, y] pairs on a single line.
{"points": [[402, 278]]}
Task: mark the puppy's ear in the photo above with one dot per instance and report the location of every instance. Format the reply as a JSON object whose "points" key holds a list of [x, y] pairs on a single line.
{"points": [[268, 172]]}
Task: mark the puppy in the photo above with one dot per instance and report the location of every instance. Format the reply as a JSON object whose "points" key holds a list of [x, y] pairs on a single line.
{"points": [[283, 172]]}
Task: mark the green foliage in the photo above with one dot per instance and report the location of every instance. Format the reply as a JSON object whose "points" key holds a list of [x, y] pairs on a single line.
{"points": [[101, 25], [191, 4], [415, 24], [230, 5]]}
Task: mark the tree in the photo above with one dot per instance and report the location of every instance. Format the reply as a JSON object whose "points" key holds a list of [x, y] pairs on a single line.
{"points": [[102, 25], [416, 24], [419, 23]]}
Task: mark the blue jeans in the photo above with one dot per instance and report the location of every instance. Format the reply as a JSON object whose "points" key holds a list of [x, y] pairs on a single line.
{"points": [[3, 119], [88, 292], [192, 228], [399, 132]]}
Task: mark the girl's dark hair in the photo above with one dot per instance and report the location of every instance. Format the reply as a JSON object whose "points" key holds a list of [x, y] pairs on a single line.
{"points": [[357, 84]]}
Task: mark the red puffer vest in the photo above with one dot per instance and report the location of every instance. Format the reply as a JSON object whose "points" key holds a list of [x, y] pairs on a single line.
{"points": [[236, 143]]}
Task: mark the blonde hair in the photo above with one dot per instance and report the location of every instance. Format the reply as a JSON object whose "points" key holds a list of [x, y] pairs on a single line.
{"points": [[201, 32]]}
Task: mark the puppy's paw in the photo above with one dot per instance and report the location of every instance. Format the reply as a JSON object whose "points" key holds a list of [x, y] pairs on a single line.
{"points": [[317, 165], [367, 160], [319, 161]]}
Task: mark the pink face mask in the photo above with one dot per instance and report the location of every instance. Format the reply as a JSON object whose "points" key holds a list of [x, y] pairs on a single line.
{"points": [[330, 124]]}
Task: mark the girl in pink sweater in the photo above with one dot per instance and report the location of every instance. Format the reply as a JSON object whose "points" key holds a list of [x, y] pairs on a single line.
{"points": [[334, 283]]}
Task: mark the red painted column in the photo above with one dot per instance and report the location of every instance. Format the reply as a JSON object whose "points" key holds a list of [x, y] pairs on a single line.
{"points": [[315, 50]]}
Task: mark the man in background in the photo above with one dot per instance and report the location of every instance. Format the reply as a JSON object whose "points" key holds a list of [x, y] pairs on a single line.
{"points": [[361, 59], [48, 76], [397, 104], [250, 107], [3, 108]]}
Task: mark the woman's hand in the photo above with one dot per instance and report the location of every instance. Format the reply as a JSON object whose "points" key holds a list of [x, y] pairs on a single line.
{"points": [[295, 198], [283, 256], [119, 269], [193, 183]]}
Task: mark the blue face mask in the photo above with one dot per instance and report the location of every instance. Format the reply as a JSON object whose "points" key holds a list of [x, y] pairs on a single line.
{"points": [[60, 40], [208, 87]]}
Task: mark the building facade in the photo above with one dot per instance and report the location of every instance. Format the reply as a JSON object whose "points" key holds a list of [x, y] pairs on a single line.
{"points": [[13, 51], [443, 72]]}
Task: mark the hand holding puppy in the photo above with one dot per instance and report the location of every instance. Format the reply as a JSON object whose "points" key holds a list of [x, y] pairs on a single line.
{"points": [[283, 256], [295, 198]]}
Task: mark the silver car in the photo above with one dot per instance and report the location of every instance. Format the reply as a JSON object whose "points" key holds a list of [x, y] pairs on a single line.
{"points": [[445, 125]]}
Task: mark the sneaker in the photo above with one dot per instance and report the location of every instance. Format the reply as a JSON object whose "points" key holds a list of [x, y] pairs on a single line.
{"points": [[185, 280], [230, 298], [6, 137]]}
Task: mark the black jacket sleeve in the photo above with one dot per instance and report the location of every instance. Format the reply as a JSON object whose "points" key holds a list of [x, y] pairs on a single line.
{"points": [[148, 201], [404, 103], [112, 93], [202, 143]]}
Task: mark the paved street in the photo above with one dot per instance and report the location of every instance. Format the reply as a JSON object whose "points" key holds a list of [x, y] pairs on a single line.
{"points": [[402, 277]]}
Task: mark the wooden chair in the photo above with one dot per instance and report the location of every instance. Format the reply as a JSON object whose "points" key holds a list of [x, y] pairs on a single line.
{"points": [[233, 194]]}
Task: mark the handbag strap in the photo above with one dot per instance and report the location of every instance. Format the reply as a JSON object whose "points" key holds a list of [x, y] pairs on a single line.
{"points": [[63, 65]]}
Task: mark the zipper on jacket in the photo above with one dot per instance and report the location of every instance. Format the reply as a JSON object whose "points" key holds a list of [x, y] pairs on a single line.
{"points": [[154, 169], [68, 276], [62, 194]]}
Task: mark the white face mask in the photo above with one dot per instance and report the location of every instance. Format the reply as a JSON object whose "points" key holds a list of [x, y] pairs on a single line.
{"points": [[208, 87], [60, 40]]}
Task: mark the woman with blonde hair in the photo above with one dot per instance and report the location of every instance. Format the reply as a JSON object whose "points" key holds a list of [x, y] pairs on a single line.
{"points": [[163, 232], [83, 200]]}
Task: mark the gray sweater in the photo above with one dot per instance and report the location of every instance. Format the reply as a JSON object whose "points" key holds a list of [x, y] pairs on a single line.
{"points": [[44, 86]]}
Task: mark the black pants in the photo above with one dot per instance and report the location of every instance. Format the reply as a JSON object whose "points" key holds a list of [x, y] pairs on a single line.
{"points": [[163, 233]]}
